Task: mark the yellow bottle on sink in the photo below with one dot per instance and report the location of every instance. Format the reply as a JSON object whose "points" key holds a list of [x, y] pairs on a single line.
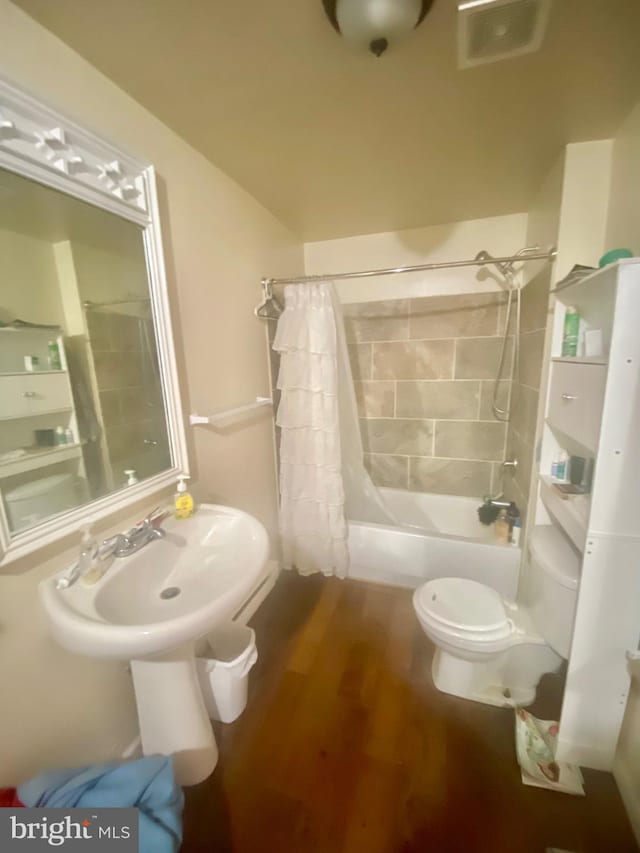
{"points": [[183, 504]]}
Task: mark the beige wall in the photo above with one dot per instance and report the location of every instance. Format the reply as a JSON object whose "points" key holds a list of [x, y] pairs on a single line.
{"points": [[585, 200], [61, 709], [499, 235], [623, 222], [28, 281]]}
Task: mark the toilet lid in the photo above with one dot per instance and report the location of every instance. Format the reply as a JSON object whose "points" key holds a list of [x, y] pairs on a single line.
{"points": [[463, 605]]}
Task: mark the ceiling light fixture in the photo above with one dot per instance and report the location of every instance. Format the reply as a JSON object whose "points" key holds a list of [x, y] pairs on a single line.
{"points": [[375, 24]]}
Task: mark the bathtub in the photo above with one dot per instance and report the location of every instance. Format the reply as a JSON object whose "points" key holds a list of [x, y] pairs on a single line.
{"points": [[439, 536]]}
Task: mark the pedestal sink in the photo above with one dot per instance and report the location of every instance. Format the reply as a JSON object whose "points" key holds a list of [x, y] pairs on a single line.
{"points": [[151, 608]]}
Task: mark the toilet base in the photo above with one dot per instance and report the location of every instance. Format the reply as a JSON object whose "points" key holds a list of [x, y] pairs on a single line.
{"points": [[489, 682]]}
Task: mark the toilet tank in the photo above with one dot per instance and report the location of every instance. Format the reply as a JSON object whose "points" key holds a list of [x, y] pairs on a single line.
{"points": [[555, 574], [38, 499]]}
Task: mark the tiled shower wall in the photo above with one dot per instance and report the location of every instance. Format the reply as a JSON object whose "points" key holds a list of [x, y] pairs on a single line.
{"points": [[522, 426], [130, 394], [424, 372]]}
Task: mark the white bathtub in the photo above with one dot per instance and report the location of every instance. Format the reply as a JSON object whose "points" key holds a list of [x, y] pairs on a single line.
{"points": [[440, 536]]}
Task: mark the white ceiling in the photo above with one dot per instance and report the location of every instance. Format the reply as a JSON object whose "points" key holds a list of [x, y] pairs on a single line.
{"points": [[336, 143]]}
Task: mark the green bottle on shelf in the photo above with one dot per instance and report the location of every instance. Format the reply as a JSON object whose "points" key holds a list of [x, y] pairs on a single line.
{"points": [[571, 331], [54, 356]]}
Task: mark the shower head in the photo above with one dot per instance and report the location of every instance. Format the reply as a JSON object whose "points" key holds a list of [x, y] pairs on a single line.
{"points": [[483, 255]]}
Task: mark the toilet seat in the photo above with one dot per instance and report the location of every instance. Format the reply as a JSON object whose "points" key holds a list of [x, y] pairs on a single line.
{"points": [[463, 609]]}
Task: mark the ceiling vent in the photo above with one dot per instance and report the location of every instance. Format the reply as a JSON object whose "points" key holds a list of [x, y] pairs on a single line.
{"points": [[491, 30]]}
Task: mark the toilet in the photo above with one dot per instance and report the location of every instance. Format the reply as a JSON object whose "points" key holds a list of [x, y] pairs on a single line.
{"points": [[494, 651], [39, 499]]}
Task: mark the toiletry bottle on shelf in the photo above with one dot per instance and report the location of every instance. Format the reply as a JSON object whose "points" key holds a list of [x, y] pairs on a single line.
{"points": [[571, 331], [503, 528], [563, 461], [55, 362], [60, 437], [68, 436], [183, 500]]}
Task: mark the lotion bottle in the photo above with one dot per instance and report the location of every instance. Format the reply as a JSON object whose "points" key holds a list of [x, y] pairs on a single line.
{"points": [[502, 528], [183, 504]]}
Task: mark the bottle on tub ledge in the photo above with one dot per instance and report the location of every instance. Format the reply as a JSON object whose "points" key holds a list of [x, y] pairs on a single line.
{"points": [[508, 526], [502, 527], [516, 525]]}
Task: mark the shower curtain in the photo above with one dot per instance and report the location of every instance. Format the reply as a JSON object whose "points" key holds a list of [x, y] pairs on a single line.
{"points": [[322, 477]]}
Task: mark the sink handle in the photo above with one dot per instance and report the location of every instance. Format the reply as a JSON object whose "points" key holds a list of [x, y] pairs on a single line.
{"points": [[156, 517]]}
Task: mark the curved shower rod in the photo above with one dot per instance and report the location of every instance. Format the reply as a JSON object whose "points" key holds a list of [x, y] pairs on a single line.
{"points": [[529, 254]]}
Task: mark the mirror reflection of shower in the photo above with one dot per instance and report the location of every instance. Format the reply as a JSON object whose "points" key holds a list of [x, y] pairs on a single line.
{"points": [[133, 435]]}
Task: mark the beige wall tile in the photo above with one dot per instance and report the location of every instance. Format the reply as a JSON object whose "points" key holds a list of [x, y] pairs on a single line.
{"points": [[98, 324], [479, 358], [375, 399], [486, 398], [395, 435], [110, 370], [464, 315], [524, 412], [377, 321], [387, 470], [523, 452], [110, 405], [438, 399], [360, 358], [413, 360], [470, 439], [535, 304], [450, 477], [531, 350]]}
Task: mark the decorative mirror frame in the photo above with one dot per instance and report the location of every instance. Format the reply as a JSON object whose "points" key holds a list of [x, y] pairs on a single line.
{"points": [[39, 143]]}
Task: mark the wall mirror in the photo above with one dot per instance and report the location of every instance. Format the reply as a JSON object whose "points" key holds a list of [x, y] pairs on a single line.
{"points": [[89, 404]]}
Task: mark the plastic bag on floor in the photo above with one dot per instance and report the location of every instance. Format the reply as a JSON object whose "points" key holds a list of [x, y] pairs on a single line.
{"points": [[536, 748]]}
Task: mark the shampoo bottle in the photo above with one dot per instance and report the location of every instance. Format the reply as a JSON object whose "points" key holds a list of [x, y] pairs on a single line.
{"points": [[502, 528], [571, 331], [183, 500], [563, 460]]}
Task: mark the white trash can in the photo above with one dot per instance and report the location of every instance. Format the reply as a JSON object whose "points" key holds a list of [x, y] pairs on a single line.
{"points": [[224, 673]]}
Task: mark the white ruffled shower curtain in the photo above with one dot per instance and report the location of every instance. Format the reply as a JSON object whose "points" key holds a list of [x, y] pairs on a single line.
{"points": [[322, 477]]}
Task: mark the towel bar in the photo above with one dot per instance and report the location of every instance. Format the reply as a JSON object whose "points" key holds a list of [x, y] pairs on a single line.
{"points": [[228, 415]]}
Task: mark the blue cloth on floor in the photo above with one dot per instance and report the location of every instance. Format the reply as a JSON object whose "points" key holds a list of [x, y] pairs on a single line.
{"points": [[147, 784]]}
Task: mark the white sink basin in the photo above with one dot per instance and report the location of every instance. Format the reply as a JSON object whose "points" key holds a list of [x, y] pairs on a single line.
{"points": [[151, 607], [207, 566]]}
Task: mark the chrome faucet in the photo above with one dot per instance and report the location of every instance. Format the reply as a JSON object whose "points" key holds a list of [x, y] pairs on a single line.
{"points": [[124, 544], [120, 545]]}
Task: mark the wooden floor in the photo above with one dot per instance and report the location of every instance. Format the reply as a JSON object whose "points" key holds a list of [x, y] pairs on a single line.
{"points": [[346, 747]]}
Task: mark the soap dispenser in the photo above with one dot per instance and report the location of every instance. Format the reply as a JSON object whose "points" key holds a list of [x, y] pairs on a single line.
{"points": [[183, 504]]}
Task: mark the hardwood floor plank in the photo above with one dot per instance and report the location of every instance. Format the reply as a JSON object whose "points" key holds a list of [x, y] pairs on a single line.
{"points": [[347, 747]]}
